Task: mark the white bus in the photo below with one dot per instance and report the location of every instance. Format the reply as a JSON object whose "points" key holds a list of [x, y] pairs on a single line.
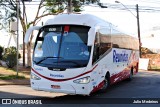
{"points": [[80, 54]]}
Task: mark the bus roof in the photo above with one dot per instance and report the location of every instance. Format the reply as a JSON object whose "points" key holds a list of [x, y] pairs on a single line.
{"points": [[77, 19]]}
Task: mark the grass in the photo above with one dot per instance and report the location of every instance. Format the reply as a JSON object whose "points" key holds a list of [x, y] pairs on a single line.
{"points": [[11, 77], [10, 74]]}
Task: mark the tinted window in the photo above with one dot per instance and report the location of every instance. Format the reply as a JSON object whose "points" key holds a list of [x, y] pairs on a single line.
{"points": [[62, 46], [121, 40]]}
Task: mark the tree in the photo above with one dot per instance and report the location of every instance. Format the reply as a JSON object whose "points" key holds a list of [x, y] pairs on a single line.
{"points": [[10, 7], [10, 57], [52, 7], [1, 52]]}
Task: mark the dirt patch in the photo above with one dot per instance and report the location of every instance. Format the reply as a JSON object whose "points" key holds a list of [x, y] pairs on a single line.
{"points": [[10, 76], [22, 71]]}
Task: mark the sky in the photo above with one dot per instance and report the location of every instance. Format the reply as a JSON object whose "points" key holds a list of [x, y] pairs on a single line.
{"points": [[122, 17], [126, 20]]}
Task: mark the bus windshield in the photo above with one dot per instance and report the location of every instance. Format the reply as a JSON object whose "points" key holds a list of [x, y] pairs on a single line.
{"points": [[62, 46]]}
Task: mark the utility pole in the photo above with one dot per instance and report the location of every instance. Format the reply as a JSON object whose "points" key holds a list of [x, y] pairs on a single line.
{"points": [[69, 7], [138, 24], [17, 1], [23, 36], [138, 28]]}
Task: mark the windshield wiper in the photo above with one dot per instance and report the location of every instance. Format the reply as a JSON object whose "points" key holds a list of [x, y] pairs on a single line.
{"points": [[44, 58]]}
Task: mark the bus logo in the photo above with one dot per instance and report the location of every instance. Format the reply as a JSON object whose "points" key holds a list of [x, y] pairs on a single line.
{"points": [[53, 75], [119, 57]]}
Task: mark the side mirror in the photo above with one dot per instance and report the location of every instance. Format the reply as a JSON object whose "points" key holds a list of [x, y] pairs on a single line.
{"points": [[29, 31], [91, 36]]}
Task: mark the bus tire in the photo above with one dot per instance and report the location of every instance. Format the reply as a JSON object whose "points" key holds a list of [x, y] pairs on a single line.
{"points": [[131, 74], [106, 83]]}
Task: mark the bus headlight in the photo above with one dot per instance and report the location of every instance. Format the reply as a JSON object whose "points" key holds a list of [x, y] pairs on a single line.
{"points": [[84, 80], [35, 77]]}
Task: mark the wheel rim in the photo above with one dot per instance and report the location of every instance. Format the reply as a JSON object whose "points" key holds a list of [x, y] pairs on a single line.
{"points": [[105, 83], [131, 75]]}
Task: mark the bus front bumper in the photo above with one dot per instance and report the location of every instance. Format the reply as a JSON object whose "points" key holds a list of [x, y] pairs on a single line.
{"points": [[63, 87]]}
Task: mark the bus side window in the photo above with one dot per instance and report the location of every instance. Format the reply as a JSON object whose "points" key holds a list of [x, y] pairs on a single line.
{"points": [[102, 43], [124, 41], [105, 40], [96, 49]]}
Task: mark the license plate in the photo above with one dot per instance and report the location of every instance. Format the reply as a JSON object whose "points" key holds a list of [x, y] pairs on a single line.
{"points": [[55, 87]]}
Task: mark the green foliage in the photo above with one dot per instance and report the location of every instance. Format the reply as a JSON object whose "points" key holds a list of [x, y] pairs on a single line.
{"points": [[28, 25], [58, 6], [77, 9], [1, 51], [52, 6], [55, 6], [11, 77], [10, 57]]}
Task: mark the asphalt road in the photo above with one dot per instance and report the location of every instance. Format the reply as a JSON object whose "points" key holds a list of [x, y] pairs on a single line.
{"points": [[146, 84]]}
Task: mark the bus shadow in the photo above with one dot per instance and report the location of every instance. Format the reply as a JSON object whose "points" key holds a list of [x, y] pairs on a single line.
{"points": [[95, 98]]}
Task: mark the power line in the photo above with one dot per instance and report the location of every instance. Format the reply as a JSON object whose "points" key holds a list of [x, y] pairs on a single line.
{"points": [[132, 7], [118, 7], [149, 1]]}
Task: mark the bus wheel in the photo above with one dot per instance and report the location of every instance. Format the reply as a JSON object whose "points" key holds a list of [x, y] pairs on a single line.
{"points": [[131, 75], [106, 83]]}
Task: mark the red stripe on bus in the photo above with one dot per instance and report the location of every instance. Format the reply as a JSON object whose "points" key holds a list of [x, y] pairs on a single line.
{"points": [[60, 80], [98, 87]]}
